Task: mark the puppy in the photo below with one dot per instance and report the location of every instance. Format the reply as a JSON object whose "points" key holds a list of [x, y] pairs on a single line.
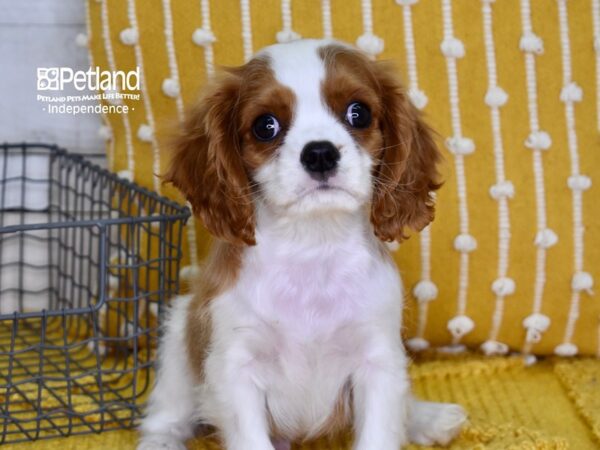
{"points": [[301, 163]]}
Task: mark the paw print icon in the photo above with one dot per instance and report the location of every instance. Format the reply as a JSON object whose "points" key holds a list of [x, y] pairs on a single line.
{"points": [[47, 78]]}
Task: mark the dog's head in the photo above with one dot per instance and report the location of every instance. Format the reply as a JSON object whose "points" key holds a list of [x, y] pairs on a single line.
{"points": [[307, 128]]}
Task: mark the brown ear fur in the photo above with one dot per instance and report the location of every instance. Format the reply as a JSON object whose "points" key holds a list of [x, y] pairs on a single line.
{"points": [[406, 171], [207, 167]]}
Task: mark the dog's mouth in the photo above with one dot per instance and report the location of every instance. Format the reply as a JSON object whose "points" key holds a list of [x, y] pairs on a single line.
{"points": [[325, 187], [325, 191]]}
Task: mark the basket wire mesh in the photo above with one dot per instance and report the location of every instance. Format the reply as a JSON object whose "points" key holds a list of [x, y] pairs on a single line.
{"points": [[87, 261]]}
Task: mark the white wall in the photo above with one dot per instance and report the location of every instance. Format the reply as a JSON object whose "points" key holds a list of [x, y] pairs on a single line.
{"points": [[41, 33], [36, 33]]}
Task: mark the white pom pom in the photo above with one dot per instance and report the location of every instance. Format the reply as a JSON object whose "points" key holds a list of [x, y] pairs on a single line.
{"points": [[417, 344], [104, 132], [287, 36], [538, 140], [145, 133], [125, 174], [582, 281], [545, 238], [571, 93], [188, 273], [531, 43], [460, 325], [81, 40], [579, 182], [503, 286], [465, 243], [496, 97], [452, 48], [537, 321], [536, 324], [425, 291], [153, 308], [112, 97], [533, 336], [460, 145], [129, 36], [418, 98], [202, 37], [529, 360], [502, 189], [406, 2], [113, 282], [170, 87], [120, 257], [566, 350], [371, 44], [392, 246], [597, 44], [494, 348]]}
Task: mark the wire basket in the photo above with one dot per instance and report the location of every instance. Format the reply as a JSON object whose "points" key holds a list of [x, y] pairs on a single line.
{"points": [[87, 261]]}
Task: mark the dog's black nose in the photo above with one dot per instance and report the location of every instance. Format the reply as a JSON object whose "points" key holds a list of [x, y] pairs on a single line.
{"points": [[319, 157]]}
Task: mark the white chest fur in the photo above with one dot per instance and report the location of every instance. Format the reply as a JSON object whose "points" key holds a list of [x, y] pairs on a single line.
{"points": [[302, 317]]}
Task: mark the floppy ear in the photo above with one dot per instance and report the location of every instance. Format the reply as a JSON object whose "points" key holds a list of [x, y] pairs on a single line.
{"points": [[406, 170], [207, 166]]}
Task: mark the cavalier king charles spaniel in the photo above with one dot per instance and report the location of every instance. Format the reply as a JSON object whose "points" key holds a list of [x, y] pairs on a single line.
{"points": [[301, 163]]}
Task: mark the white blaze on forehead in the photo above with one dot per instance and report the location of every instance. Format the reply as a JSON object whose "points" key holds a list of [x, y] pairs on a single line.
{"points": [[298, 66]]}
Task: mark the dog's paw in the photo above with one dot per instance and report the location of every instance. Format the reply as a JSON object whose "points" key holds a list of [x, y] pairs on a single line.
{"points": [[160, 442], [435, 423]]}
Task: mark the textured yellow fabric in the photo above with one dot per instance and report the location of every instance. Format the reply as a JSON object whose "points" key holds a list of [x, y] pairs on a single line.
{"points": [[550, 406], [62, 382], [347, 20]]}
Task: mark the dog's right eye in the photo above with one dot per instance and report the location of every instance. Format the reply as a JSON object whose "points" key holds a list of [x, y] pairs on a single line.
{"points": [[358, 115], [266, 127]]}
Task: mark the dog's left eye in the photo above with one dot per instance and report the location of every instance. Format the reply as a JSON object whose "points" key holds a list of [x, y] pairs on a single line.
{"points": [[266, 127], [358, 115]]}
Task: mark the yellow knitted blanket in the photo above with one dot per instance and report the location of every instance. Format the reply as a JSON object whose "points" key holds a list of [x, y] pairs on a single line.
{"points": [[554, 404]]}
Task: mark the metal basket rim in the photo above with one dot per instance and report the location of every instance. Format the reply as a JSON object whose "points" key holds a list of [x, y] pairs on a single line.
{"points": [[183, 211]]}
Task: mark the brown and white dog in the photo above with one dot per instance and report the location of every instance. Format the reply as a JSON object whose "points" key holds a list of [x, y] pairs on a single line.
{"points": [[301, 163]]}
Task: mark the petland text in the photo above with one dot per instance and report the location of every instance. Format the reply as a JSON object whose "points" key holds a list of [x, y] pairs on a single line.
{"points": [[94, 79]]}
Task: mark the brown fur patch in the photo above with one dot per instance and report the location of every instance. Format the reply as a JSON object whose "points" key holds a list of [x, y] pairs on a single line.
{"points": [[219, 272], [215, 152], [350, 78], [260, 94], [402, 145]]}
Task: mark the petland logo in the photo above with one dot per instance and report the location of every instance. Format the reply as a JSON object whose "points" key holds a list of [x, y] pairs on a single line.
{"points": [[104, 92], [56, 78]]}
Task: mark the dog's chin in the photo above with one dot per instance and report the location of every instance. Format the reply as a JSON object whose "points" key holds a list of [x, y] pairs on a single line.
{"points": [[326, 199]]}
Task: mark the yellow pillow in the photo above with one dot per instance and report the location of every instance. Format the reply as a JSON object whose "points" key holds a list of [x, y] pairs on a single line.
{"points": [[512, 88]]}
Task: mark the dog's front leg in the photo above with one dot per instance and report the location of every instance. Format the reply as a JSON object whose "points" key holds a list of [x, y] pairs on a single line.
{"points": [[381, 393], [245, 426], [236, 404]]}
